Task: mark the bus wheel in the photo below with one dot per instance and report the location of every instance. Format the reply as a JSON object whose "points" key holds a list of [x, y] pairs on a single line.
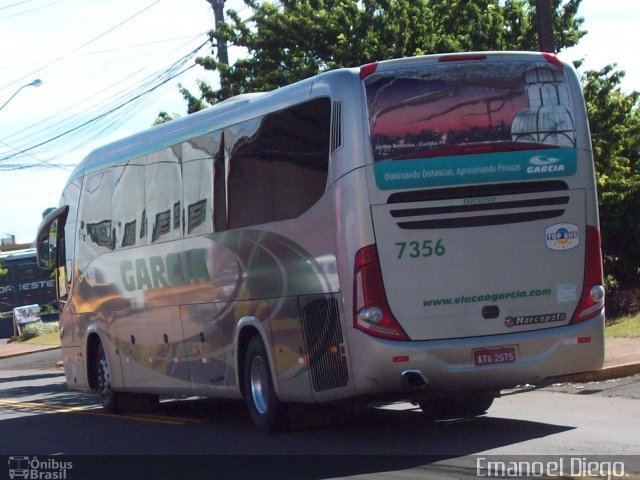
{"points": [[108, 397], [267, 412]]}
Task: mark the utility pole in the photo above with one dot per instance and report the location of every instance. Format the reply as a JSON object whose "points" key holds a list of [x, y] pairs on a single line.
{"points": [[218, 14], [544, 26]]}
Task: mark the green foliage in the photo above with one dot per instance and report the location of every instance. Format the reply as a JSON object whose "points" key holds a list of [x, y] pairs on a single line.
{"points": [[628, 327], [164, 117], [614, 120], [301, 38], [35, 329], [623, 303]]}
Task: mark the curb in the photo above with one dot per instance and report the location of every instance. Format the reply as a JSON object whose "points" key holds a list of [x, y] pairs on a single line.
{"points": [[607, 373], [21, 354]]}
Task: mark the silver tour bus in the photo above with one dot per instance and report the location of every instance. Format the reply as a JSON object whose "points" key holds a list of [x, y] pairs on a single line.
{"points": [[421, 229]]}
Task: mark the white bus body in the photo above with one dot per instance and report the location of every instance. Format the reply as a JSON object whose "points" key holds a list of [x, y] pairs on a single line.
{"points": [[423, 228]]}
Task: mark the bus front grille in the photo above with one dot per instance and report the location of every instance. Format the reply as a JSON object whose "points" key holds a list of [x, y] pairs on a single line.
{"points": [[324, 342]]}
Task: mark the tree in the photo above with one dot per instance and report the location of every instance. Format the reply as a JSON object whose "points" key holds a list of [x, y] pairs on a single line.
{"points": [[614, 121], [164, 117], [302, 38]]}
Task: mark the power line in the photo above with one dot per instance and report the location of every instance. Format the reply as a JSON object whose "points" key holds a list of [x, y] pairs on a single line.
{"points": [[43, 162], [6, 7], [114, 97], [95, 119], [118, 49], [169, 74], [53, 62], [106, 116], [28, 11], [140, 45]]}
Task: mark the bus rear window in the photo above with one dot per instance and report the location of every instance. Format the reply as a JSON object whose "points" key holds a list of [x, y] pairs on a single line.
{"points": [[468, 108]]}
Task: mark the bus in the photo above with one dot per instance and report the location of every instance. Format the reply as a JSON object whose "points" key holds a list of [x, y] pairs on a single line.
{"points": [[24, 283], [420, 229]]}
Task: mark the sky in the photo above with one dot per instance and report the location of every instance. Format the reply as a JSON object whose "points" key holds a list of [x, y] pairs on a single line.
{"points": [[95, 57]]}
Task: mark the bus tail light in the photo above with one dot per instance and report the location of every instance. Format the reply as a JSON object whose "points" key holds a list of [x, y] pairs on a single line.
{"points": [[466, 57], [552, 58], [368, 69], [592, 299], [371, 312]]}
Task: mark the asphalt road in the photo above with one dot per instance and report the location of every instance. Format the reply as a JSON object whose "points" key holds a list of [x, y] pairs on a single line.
{"points": [[39, 416]]}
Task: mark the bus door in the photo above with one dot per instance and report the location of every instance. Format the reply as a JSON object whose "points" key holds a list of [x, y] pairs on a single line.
{"points": [[51, 251]]}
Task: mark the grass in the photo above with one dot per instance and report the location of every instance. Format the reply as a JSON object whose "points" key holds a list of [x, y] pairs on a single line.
{"points": [[626, 327], [40, 333], [52, 338]]}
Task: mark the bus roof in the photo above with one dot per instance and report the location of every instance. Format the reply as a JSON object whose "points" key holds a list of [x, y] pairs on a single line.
{"points": [[244, 107], [233, 110], [18, 254]]}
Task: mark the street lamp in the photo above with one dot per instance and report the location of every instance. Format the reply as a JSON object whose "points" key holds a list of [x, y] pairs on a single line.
{"points": [[36, 83]]}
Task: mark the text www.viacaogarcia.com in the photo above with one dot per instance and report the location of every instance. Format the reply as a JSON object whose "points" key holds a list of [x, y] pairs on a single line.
{"points": [[489, 297]]}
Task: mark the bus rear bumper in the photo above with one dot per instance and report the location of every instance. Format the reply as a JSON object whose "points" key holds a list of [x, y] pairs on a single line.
{"points": [[480, 363]]}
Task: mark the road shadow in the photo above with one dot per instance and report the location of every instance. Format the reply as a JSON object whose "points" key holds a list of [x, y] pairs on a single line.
{"points": [[183, 435], [31, 377], [372, 431], [48, 388], [323, 444], [365, 431]]}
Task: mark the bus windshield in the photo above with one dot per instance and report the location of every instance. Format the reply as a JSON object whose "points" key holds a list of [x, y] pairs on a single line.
{"points": [[468, 108]]}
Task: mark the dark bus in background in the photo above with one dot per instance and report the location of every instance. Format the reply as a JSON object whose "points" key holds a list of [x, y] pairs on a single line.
{"points": [[24, 283]]}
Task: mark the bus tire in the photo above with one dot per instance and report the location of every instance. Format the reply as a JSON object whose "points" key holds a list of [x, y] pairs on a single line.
{"points": [[109, 398], [267, 412]]}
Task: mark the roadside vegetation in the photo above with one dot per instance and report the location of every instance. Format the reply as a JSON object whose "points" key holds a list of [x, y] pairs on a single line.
{"points": [[626, 327], [41, 333]]}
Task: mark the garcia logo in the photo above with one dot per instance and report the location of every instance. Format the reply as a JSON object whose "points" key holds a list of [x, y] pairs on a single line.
{"points": [[544, 164], [562, 236]]}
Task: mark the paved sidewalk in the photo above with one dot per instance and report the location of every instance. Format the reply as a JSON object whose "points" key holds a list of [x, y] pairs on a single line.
{"points": [[15, 349], [621, 359]]}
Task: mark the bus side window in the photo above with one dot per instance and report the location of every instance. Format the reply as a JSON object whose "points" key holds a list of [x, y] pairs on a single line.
{"points": [[128, 203], [162, 190], [278, 165], [96, 234], [197, 174], [70, 196], [62, 283], [220, 189]]}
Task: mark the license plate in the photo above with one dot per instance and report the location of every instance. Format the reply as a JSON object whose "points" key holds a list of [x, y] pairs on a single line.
{"points": [[493, 356]]}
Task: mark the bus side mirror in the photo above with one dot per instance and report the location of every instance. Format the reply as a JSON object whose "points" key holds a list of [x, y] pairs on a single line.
{"points": [[44, 255], [46, 238], [46, 248]]}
